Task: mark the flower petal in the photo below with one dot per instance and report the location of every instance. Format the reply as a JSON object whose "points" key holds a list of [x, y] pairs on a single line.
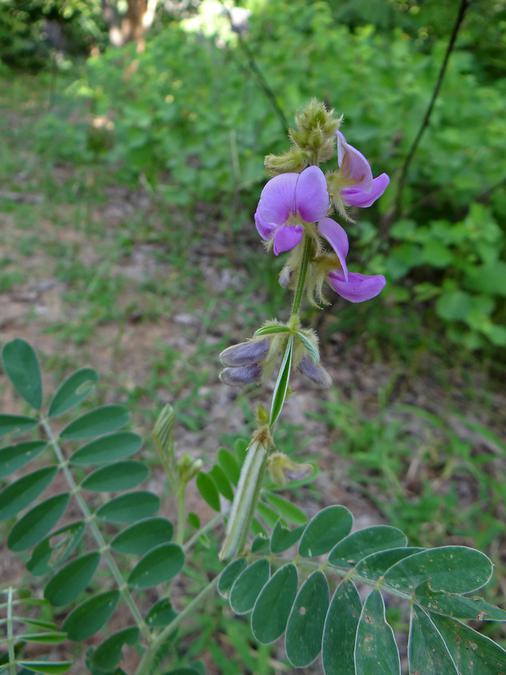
{"points": [[353, 163], [287, 237], [264, 229], [355, 196], [311, 195], [337, 238], [236, 377], [315, 372], [245, 353], [359, 287], [277, 201]]}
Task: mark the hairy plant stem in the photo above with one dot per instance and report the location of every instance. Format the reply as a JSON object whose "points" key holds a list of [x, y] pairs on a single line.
{"points": [[301, 279], [10, 634], [146, 665], [103, 547], [181, 513]]}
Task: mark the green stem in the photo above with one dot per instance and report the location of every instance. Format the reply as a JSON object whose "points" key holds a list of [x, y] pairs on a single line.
{"points": [[103, 547], [203, 530], [145, 667], [301, 279], [181, 514], [10, 634]]}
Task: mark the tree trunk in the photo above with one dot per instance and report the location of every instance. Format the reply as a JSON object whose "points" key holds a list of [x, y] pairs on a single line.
{"points": [[133, 26]]}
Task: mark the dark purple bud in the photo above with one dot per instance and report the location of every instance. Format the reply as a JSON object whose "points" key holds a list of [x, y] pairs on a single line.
{"points": [[245, 353], [316, 373], [237, 377]]}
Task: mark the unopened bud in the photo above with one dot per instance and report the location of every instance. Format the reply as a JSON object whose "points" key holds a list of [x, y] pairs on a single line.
{"points": [[245, 353], [188, 467], [282, 468], [315, 372], [241, 375], [295, 160]]}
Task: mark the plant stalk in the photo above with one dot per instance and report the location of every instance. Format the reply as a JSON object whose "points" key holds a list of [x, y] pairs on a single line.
{"points": [[301, 279], [10, 634], [97, 535]]}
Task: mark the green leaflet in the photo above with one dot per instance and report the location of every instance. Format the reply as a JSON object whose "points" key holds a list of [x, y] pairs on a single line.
{"points": [[130, 507], [161, 614], [22, 368], [37, 523], [273, 605], [116, 477], [160, 564], [427, 651], [304, 631], [282, 538], [103, 420], [229, 575], [456, 569], [281, 387], [108, 654], [358, 545], [472, 652], [340, 630], [107, 449], [71, 580], [16, 424], [141, 537], [324, 530], [458, 606], [89, 617], [207, 488], [376, 564], [22, 492], [248, 585], [376, 651], [75, 389], [15, 457]]}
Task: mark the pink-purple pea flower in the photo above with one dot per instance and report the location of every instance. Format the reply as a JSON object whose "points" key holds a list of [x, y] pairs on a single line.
{"points": [[291, 199], [363, 190]]}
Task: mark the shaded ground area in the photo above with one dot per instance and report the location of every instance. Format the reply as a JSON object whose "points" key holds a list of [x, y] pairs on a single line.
{"points": [[92, 273]]}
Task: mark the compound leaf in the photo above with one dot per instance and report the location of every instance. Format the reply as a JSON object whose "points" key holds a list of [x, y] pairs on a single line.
{"points": [[358, 545], [103, 420], [273, 605]]}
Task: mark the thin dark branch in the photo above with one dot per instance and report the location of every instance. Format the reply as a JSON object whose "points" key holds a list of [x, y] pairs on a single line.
{"points": [[258, 74], [463, 7]]}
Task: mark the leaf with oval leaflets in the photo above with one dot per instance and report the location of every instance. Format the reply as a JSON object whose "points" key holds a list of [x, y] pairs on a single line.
{"points": [[269, 516], [141, 537], [248, 585], [456, 569], [229, 464], [304, 632], [16, 424], [109, 653], [46, 667], [107, 449], [130, 507], [273, 605], [22, 492], [116, 477], [161, 564], [362, 543], [458, 606], [161, 614], [103, 420], [282, 538], [75, 389], [21, 366], [287, 510], [472, 652], [71, 580], [55, 548], [427, 651], [324, 530], [36, 524], [222, 482], [15, 457], [376, 651], [376, 564], [229, 575], [208, 490], [90, 616], [340, 630]]}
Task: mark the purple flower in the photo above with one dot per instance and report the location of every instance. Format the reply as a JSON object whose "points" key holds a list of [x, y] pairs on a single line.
{"points": [[363, 189], [349, 285], [287, 201]]}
